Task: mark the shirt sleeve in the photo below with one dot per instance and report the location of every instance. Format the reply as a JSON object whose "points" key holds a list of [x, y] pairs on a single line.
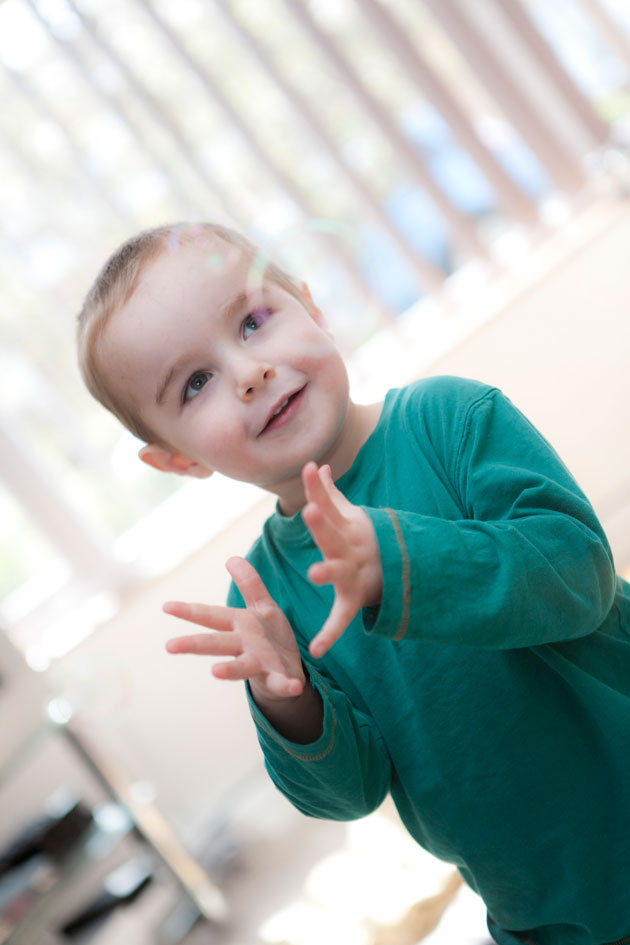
{"points": [[344, 774], [527, 564]]}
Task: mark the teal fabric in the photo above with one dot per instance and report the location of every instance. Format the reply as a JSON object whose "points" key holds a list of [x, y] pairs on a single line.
{"points": [[490, 691]]}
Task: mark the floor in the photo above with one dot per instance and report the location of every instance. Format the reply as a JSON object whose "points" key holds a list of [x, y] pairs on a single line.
{"points": [[298, 881], [288, 880]]}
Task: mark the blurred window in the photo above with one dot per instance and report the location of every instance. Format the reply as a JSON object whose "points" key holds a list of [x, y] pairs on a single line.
{"points": [[366, 144]]}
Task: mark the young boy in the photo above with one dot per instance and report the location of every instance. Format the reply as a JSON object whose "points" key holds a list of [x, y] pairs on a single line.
{"points": [[432, 610]]}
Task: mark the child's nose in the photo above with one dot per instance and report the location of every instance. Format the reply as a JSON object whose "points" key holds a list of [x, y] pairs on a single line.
{"points": [[252, 376]]}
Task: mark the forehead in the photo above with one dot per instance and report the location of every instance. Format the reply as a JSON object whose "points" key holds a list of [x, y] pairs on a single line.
{"points": [[208, 264], [187, 279]]}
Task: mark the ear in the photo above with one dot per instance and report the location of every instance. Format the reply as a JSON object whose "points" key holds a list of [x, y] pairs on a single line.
{"points": [[160, 458]]}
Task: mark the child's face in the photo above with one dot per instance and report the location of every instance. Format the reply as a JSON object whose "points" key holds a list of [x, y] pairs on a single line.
{"points": [[238, 377]]}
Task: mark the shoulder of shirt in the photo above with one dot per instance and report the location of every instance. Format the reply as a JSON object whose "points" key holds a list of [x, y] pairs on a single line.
{"points": [[436, 412], [442, 390]]}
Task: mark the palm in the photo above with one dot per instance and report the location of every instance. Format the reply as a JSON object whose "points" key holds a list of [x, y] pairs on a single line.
{"points": [[258, 637]]}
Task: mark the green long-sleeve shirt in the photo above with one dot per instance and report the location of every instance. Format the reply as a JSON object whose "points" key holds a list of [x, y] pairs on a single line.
{"points": [[490, 691]]}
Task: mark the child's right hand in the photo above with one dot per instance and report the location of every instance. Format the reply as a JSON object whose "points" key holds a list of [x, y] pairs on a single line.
{"points": [[258, 637]]}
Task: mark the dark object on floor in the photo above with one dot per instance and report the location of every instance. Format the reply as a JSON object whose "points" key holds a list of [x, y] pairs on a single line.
{"points": [[120, 887], [52, 835]]}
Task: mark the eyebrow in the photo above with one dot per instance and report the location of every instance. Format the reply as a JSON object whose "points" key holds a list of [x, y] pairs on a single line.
{"points": [[230, 309]]}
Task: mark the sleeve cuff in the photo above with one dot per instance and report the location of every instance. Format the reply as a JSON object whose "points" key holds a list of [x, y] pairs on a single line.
{"points": [[272, 741], [391, 618]]}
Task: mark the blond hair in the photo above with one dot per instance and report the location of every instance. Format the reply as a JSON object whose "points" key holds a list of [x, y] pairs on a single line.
{"points": [[116, 283]]}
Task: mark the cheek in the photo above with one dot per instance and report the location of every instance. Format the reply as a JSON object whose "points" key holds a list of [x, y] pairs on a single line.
{"points": [[320, 357], [216, 434], [333, 374], [204, 427]]}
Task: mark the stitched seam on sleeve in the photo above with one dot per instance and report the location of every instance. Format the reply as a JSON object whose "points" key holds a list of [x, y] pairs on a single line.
{"points": [[406, 576], [465, 433], [295, 754]]}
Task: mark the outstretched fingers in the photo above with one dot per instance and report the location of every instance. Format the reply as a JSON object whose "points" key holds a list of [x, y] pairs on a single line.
{"points": [[249, 583], [257, 639], [206, 644], [248, 666], [319, 489], [204, 615], [223, 643], [331, 571], [322, 517], [341, 614]]}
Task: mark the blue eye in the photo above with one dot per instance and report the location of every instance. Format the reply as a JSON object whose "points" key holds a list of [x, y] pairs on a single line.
{"points": [[196, 384], [254, 321]]}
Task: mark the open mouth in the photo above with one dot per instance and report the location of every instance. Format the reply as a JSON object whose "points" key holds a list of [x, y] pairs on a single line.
{"points": [[284, 412]]}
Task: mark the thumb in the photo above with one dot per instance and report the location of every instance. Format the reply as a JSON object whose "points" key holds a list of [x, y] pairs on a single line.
{"points": [[281, 685]]}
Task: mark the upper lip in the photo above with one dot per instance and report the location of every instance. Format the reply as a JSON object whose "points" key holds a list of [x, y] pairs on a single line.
{"points": [[279, 403]]}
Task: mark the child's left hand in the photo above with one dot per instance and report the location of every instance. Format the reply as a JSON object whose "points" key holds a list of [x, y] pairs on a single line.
{"points": [[345, 536]]}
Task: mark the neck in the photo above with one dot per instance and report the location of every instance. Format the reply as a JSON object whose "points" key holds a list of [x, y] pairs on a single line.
{"points": [[358, 426]]}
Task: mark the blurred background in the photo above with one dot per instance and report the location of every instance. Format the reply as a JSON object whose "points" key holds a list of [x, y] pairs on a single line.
{"points": [[451, 179]]}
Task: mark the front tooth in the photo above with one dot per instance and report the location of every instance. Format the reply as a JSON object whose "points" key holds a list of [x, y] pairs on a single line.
{"points": [[281, 407]]}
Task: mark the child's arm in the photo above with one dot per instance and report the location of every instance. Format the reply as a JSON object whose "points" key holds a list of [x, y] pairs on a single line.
{"points": [[326, 756], [525, 563], [263, 650]]}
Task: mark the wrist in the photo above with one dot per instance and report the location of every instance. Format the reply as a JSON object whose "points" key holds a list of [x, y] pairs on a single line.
{"points": [[297, 718], [270, 701], [375, 587], [372, 565]]}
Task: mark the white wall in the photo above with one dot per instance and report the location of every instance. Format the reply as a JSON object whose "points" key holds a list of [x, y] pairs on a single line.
{"points": [[561, 352]]}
